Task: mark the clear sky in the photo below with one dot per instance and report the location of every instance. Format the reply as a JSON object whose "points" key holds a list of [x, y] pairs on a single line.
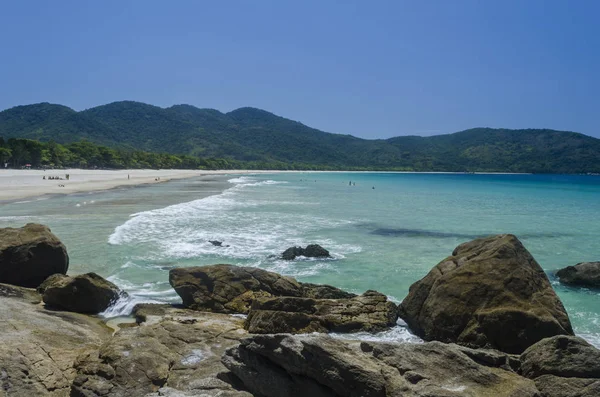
{"points": [[373, 69]]}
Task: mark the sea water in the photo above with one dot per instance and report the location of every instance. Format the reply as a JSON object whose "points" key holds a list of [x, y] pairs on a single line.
{"points": [[384, 230]]}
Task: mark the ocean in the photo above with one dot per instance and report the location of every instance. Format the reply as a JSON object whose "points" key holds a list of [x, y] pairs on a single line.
{"points": [[385, 230]]}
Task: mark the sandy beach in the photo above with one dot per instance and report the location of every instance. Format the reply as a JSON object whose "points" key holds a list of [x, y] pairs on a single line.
{"points": [[20, 184]]}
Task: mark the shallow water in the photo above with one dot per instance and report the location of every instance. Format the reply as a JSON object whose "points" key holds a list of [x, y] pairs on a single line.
{"points": [[385, 232]]}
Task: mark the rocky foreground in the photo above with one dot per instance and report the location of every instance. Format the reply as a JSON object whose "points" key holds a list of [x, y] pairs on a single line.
{"points": [[492, 323]]}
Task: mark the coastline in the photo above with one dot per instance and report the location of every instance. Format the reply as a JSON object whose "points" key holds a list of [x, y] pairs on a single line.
{"points": [[24, 184]]}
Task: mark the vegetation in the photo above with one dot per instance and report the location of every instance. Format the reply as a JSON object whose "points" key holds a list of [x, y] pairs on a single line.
{"points": [[134, 134]]}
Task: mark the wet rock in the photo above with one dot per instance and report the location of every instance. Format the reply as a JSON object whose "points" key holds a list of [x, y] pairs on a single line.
{"points": [[38, 346], [586, 274], [490, 293], [232, 289], [311, 251], [174, 352], [85, 293], [319, 366], [30, 254], [370, 312]]}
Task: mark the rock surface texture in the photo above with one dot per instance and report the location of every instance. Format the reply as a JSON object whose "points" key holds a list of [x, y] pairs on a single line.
{"points": [[311, 251], [490, 293], [563, 366], [232, 289], [320, 366], [370, 312], [30, 254], [38, 346], [586, 274], [174, 352], [85, 293]]}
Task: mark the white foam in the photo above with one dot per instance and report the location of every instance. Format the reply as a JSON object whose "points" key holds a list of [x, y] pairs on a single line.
{"points": [[398, 333]]}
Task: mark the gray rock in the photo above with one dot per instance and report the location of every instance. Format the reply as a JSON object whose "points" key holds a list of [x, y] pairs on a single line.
{"points": [[370, 312], [30, 254], [232, 289], [586, 274], [85, 293], [490, 293], [175, 352], [319, 366]]}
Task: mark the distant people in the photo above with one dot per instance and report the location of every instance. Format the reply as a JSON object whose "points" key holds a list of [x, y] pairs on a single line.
{"points": [[350, 183], [127, 176], [44, 177], [373, 187], [67, 176]]}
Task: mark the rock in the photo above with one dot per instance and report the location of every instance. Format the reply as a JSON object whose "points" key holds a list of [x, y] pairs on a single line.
{"points": [[586, 274], [216, 243], [38, 346], [319, 366], [566, 356], [563, 366], [30, 254], [323, 291], [311, 251], [490, 293], [556, 386], [85, 293], [370, 312], [55, 278], [232, 289], [175, 352]]}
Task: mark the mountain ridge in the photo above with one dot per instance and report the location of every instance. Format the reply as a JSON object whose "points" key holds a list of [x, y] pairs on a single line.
{"points": [[252, 134]]}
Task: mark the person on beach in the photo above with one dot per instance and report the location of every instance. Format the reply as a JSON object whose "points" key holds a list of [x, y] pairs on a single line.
{"points": [[127, 176]]}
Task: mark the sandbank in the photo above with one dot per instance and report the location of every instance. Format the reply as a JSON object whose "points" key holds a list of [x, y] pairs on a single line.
{"points": [[20, 184]]}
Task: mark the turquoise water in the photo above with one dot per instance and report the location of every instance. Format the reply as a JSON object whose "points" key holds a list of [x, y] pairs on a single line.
{"points": [[384, 238]]}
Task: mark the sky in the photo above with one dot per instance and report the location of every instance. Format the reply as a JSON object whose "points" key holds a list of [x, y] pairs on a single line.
{"points": [[372, 69]]}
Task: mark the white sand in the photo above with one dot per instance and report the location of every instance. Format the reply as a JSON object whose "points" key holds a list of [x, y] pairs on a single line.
{"points": [[18, 184]]}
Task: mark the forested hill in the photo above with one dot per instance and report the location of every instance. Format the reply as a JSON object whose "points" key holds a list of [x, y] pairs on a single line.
{"points": [[254, 135]]}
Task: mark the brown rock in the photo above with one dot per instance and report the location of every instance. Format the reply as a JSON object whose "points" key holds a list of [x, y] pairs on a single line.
{"points": [[30, 254], [490, 293], [85, 293], [370, 312], [586, 274]]}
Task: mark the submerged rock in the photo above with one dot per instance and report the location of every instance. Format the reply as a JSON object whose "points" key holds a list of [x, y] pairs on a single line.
{"points": [[311, 251], [320, 366], [174, 352], [586, 274], [490, 293], [370, 312], [232, 289], [30, 254], [85, 293]]}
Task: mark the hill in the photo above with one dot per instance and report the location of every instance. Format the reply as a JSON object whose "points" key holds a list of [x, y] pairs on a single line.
{"points": [[254, 135]]}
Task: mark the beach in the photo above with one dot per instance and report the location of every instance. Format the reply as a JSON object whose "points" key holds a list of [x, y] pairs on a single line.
{"points": [[20, 184]]}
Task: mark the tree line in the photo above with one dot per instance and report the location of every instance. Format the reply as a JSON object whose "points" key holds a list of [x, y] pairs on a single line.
{"points": [[20, 153]]}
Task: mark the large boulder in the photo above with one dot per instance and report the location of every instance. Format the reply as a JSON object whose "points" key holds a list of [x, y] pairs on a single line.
{"points": [[563, 366], [85, 293], [311, 251], [38, 347], [370, 312], [232, 289], [586, 274], [320, 366], [174, 352], [28, 255], [490, 293]]}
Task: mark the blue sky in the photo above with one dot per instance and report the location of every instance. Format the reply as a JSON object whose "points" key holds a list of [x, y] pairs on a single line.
{"points": [[373, 69]]}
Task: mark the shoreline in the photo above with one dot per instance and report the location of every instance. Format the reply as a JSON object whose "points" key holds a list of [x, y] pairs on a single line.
{"points": [[29, 184]]}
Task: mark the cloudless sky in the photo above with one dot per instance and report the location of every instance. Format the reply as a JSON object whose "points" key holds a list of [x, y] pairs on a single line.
{"points": [[373, 69]]}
